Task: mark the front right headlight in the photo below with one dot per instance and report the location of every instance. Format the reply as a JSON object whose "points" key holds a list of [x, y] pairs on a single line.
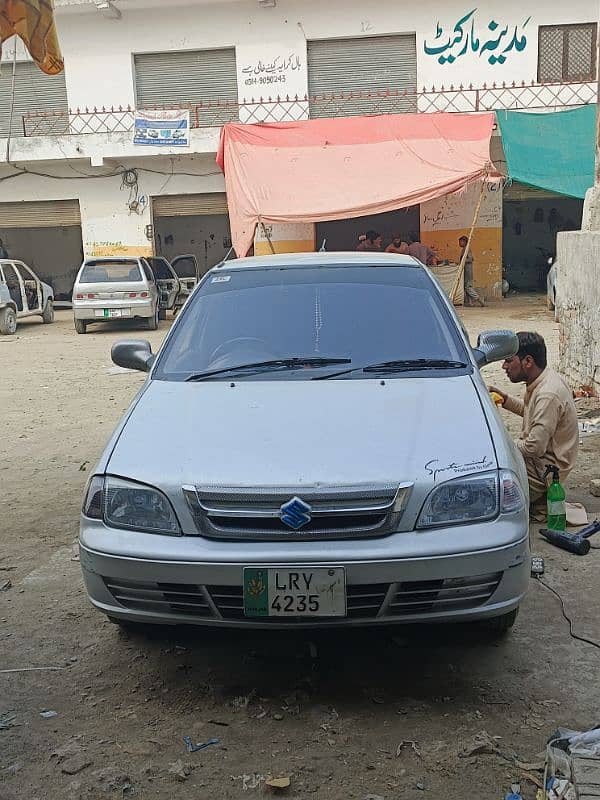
{"points": [[125, 504]]}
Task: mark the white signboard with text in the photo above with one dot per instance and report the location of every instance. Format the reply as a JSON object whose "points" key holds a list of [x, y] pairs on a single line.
{"points": [[272, 81]]}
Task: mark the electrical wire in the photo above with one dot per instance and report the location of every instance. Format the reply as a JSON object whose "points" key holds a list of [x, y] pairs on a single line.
{"points": [[566, 616]]}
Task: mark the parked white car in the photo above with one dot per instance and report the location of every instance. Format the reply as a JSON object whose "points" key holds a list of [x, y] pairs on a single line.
{"points": [[115, 288], [22, 294]]}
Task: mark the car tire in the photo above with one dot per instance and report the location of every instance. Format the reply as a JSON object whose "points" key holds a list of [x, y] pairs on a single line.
{"points": [[152, 322], [162, 313], [80, 326], [8, 321], [500, 626], [48, 315]]}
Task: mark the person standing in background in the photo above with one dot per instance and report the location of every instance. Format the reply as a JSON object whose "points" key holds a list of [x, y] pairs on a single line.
{"points": [[471, 296], [3, 250]]}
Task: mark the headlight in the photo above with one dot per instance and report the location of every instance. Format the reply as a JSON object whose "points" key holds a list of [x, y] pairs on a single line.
{"points": [[461, 500], [472, 499], [125, 504]]}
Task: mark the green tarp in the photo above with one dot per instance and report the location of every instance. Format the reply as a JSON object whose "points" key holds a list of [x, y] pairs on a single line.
{"points": [[553, 150]]}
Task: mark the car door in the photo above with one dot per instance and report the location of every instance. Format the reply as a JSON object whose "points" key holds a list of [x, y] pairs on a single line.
{"points": [[32, 288], [186, 269], [15, 288], [166, 280], [149, 275]]}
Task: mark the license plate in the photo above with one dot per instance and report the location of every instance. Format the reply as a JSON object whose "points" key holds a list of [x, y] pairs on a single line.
{"points": [[295, 592], [109, 313]]}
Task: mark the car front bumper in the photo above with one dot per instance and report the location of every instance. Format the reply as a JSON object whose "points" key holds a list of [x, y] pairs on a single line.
{"points": [[132, 308], [459, 587]]}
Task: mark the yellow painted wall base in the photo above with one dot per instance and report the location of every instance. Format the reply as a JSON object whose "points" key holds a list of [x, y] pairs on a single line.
{"points": [[486, 247], [97, 249], [262, 248]]}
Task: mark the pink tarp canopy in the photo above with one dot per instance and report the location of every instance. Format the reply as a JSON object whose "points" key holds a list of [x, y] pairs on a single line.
{"points": [[327, 169]]}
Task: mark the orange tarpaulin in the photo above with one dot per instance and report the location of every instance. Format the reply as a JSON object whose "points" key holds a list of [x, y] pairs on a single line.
{"points": [[328, 169], [33, 21]]}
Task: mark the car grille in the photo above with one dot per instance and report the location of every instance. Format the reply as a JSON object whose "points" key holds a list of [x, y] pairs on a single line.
{"points": [[364, 601], [336, 512]]}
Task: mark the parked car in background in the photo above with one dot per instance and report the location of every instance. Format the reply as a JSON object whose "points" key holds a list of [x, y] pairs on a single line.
{"points": [[115, 288], [167, 282], [22, 294], [187, 270], [308, 477]]}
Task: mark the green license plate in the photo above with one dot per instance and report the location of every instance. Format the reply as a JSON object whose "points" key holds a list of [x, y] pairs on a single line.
{"points": [[294, 592]]}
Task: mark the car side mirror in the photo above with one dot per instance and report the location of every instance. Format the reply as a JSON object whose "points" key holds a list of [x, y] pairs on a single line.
{"points": [[133, 354], [495, 346]]}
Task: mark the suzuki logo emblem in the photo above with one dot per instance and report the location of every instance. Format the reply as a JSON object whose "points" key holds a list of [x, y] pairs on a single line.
{"points": [[295, 513]]}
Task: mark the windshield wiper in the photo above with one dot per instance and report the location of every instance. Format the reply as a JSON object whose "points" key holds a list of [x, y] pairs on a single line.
{"points": [[404, 365], [275, 363], [407, 365]]}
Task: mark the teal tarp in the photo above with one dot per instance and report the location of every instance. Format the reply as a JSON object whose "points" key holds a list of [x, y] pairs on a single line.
{"points": [[553, 151]]}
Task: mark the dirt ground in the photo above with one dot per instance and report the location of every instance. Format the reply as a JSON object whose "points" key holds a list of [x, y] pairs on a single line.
{"points": [[329, 711]]}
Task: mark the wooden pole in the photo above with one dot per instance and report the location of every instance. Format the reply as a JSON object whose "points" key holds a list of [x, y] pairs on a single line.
{"points": [[268, 238], [461, 266]]}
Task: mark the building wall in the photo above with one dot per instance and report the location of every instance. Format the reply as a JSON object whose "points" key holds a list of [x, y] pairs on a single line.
{"points": [[445, 220], [91, 42], [108, 226], [578, 304]]}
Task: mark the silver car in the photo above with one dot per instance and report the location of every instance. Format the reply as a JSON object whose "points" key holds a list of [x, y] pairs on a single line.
{"points": [[115, 288], [22, 294], [333, 458]]}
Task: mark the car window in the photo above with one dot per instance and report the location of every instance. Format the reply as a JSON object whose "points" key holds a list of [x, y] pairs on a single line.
{"points": [[185, 266], [99, 271], [370, 315], [10, 276], [147, 271], [161, 269], [25, 272]]}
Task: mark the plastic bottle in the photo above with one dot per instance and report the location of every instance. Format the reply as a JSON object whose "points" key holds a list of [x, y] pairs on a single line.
{"points": [[557, 511]]}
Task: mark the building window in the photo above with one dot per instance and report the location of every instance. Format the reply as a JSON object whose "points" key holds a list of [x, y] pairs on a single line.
{"points": [[567, 53]]}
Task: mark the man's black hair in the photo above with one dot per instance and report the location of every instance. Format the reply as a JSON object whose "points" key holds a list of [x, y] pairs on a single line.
{"points": [[532, 344], [372, 235]]}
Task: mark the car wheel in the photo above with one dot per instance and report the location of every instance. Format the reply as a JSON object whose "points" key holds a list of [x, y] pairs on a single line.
{"points": [[48, 315], [80, 326], [8, 321], [500, 626], [152, 322], [162, 313]]}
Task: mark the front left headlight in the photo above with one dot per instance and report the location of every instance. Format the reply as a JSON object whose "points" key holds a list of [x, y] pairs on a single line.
{"points": [[475, 498], [461, 500], [126, 504]]}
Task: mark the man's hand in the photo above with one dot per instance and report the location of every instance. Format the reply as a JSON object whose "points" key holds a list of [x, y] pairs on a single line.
{"points": [[502, 394]]}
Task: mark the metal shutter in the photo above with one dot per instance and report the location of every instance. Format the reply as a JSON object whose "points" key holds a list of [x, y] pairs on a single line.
{"points": [[189, 205], [46, 214], [34, 91], [520, 191], [191, 77], [373, 64]]}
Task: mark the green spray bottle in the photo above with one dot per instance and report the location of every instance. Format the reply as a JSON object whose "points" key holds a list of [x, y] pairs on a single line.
{"points": [[557, 511]]}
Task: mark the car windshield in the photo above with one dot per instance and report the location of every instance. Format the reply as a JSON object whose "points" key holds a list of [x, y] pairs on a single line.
{"points": [[248, 319], [110, 272]]}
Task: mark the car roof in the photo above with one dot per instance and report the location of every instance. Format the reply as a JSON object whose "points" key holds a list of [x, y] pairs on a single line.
{"points": [[321, 259], [118, 259]]}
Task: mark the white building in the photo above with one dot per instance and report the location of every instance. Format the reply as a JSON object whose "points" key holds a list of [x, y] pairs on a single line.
{"points": [[81, 185]]}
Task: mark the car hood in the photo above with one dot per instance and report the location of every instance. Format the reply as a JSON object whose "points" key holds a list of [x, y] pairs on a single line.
{"points": [[304, 433]]}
